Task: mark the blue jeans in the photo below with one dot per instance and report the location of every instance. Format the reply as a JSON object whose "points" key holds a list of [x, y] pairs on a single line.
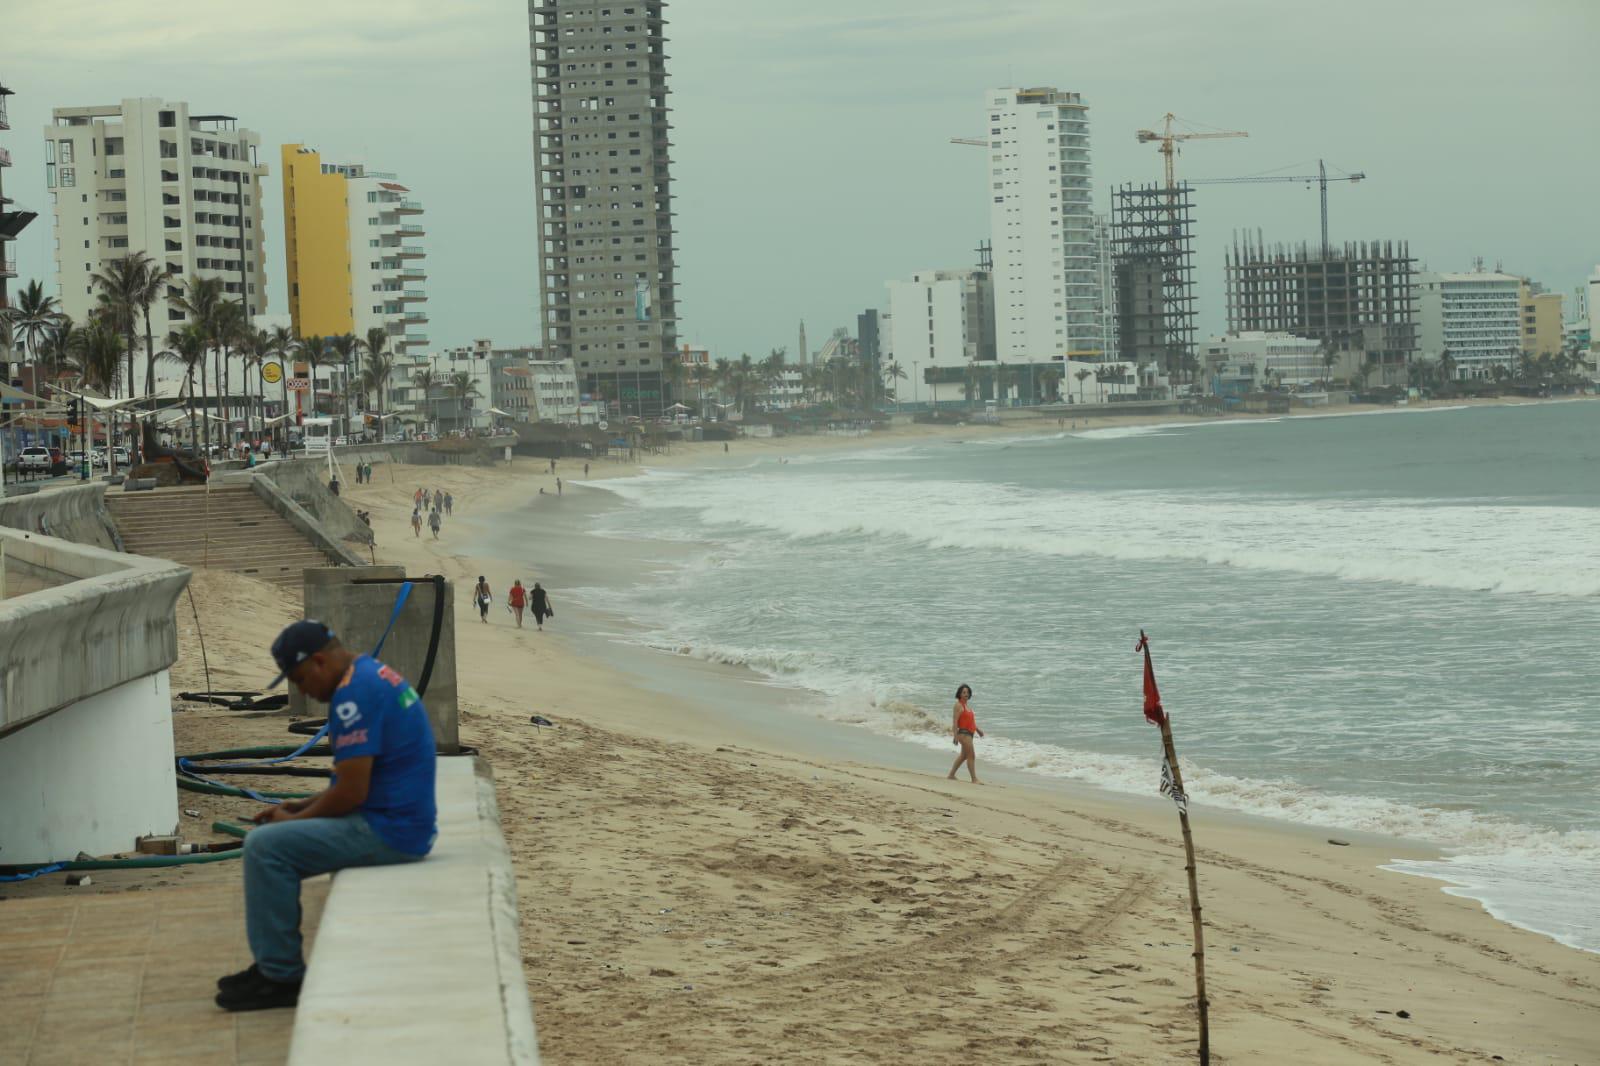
{"points": [[277, 857]]}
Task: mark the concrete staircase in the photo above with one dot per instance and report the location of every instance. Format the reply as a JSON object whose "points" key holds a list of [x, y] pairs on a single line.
{"points": [[234, 531]]}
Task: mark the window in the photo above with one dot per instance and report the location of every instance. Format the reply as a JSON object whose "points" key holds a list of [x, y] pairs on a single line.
{"points": [[69, 177]]}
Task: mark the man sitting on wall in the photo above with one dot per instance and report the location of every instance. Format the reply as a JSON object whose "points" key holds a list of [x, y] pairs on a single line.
{"points": [[379, 810]]}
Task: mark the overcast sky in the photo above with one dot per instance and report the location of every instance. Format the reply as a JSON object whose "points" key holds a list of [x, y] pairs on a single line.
{"points": [[811, 160]]}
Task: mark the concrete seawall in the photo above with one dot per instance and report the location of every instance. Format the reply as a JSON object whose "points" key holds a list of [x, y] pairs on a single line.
{"points": [[85, 710], [75, 512]]}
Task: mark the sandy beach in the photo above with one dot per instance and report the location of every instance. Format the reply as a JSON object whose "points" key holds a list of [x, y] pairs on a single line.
{"points": [[709, 874]]}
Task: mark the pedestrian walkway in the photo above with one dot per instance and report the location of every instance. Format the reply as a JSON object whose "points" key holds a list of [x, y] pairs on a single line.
{"points": [[128, 977]]}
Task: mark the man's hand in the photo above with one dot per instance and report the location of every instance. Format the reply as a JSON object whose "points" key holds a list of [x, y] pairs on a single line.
{"points": [[277, 813]]}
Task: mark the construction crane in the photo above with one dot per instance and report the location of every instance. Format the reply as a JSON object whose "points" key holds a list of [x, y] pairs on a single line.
{"points": [[1169, 140], [1320, 177]]}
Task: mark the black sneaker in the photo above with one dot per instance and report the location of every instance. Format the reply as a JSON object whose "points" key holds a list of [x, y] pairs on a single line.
{"points": [[235, 980], [259, 993]]}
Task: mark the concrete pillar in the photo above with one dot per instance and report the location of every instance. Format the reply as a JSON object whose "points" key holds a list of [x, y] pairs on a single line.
{"points": [[356, 602]]}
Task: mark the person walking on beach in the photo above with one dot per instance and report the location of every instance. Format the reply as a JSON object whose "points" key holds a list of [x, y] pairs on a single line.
{"points": [[585, 469], [416, 499], [449, 503], [541, 606], [517, 598], [965, 724], [378, 811], [434, 522], [558, 486], [416, 521], [482, 597]]}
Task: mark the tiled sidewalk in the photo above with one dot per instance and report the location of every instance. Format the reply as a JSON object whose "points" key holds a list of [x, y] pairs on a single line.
{"points": [[129, 977]]}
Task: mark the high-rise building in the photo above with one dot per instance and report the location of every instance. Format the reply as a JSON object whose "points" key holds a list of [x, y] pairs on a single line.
{"points": [[1357, 298], [1046, 282], [1471, 317], [12, 220], [943, 323], [608, 295], [148, 175], [353, 251]]}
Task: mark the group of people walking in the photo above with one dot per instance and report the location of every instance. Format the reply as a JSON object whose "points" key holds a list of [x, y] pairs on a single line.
{"points": [[518, 600], [363, 473], [435, 504]]}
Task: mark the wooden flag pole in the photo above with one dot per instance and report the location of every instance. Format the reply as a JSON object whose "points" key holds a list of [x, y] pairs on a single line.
{"points": [[1156, 713]]}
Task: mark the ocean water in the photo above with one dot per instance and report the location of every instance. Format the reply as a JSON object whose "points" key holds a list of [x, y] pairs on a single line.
{"points": [[1383, 622]]}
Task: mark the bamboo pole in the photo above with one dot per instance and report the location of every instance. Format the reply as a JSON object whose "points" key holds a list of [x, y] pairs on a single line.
{"points": [[1157, 714], [1194, 894]]}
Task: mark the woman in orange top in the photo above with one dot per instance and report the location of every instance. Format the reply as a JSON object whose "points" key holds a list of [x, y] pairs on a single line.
{"points": [[517, 599], [965, 726]]}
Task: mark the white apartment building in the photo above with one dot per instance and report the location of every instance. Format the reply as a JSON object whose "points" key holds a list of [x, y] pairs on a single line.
{"points": [[1041, 217], [940, 318], [554, 388], [149, 175], [1476, 317], [1282, 358], [386, 258], [1593, 302]]}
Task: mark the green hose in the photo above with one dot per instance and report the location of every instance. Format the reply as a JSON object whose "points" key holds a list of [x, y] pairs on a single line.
{"points": [[230, 829], [228, 790], [267, 752], [144, 862]]}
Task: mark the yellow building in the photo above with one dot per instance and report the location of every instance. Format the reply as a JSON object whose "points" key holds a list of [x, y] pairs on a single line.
{"points": [[316, 239], [1540, 322]]}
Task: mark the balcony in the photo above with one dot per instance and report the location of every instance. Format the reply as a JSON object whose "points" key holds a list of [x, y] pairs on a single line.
{"points": [[416, 316], [8, 268], [5, 157], [416, 338], [412, 229], [413, 294], [407, 251], [419, 273], [405, 207]]}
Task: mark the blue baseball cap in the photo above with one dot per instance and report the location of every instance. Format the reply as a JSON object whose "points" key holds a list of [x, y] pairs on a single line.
{"points": [[298, 642]]}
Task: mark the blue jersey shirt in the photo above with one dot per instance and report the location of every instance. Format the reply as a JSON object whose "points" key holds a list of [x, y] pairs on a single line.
{"points": [[376, 712]]}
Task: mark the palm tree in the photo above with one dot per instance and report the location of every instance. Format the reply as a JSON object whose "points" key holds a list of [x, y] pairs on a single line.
{"points": [[462, 384], [1050, 379], [255, 346], [229, 328], [189, 348], [316, 350], [121, 283], [96, 354], [154, 281], [893, 372], [32, 317], [58, 344], [284, 345], [201, 300], [1082, 376], [347, 347], [376, 347], [427, 380]]}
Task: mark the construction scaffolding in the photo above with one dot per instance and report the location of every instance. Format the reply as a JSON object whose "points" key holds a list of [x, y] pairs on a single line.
{"points": [[1358, 298], [1152, 248]]}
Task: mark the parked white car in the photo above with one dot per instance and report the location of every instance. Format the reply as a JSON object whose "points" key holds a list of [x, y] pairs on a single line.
{"points": [[35, 459]]}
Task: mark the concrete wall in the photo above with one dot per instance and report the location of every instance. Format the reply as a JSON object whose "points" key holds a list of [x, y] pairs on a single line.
{"points": [[76, 513], [420, 963], [340, 536], [358, 613], [85, 712], [92, 777], [298, 490]]}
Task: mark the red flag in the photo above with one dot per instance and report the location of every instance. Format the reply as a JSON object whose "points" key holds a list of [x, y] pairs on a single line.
{"points": [[1153, 712]]}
